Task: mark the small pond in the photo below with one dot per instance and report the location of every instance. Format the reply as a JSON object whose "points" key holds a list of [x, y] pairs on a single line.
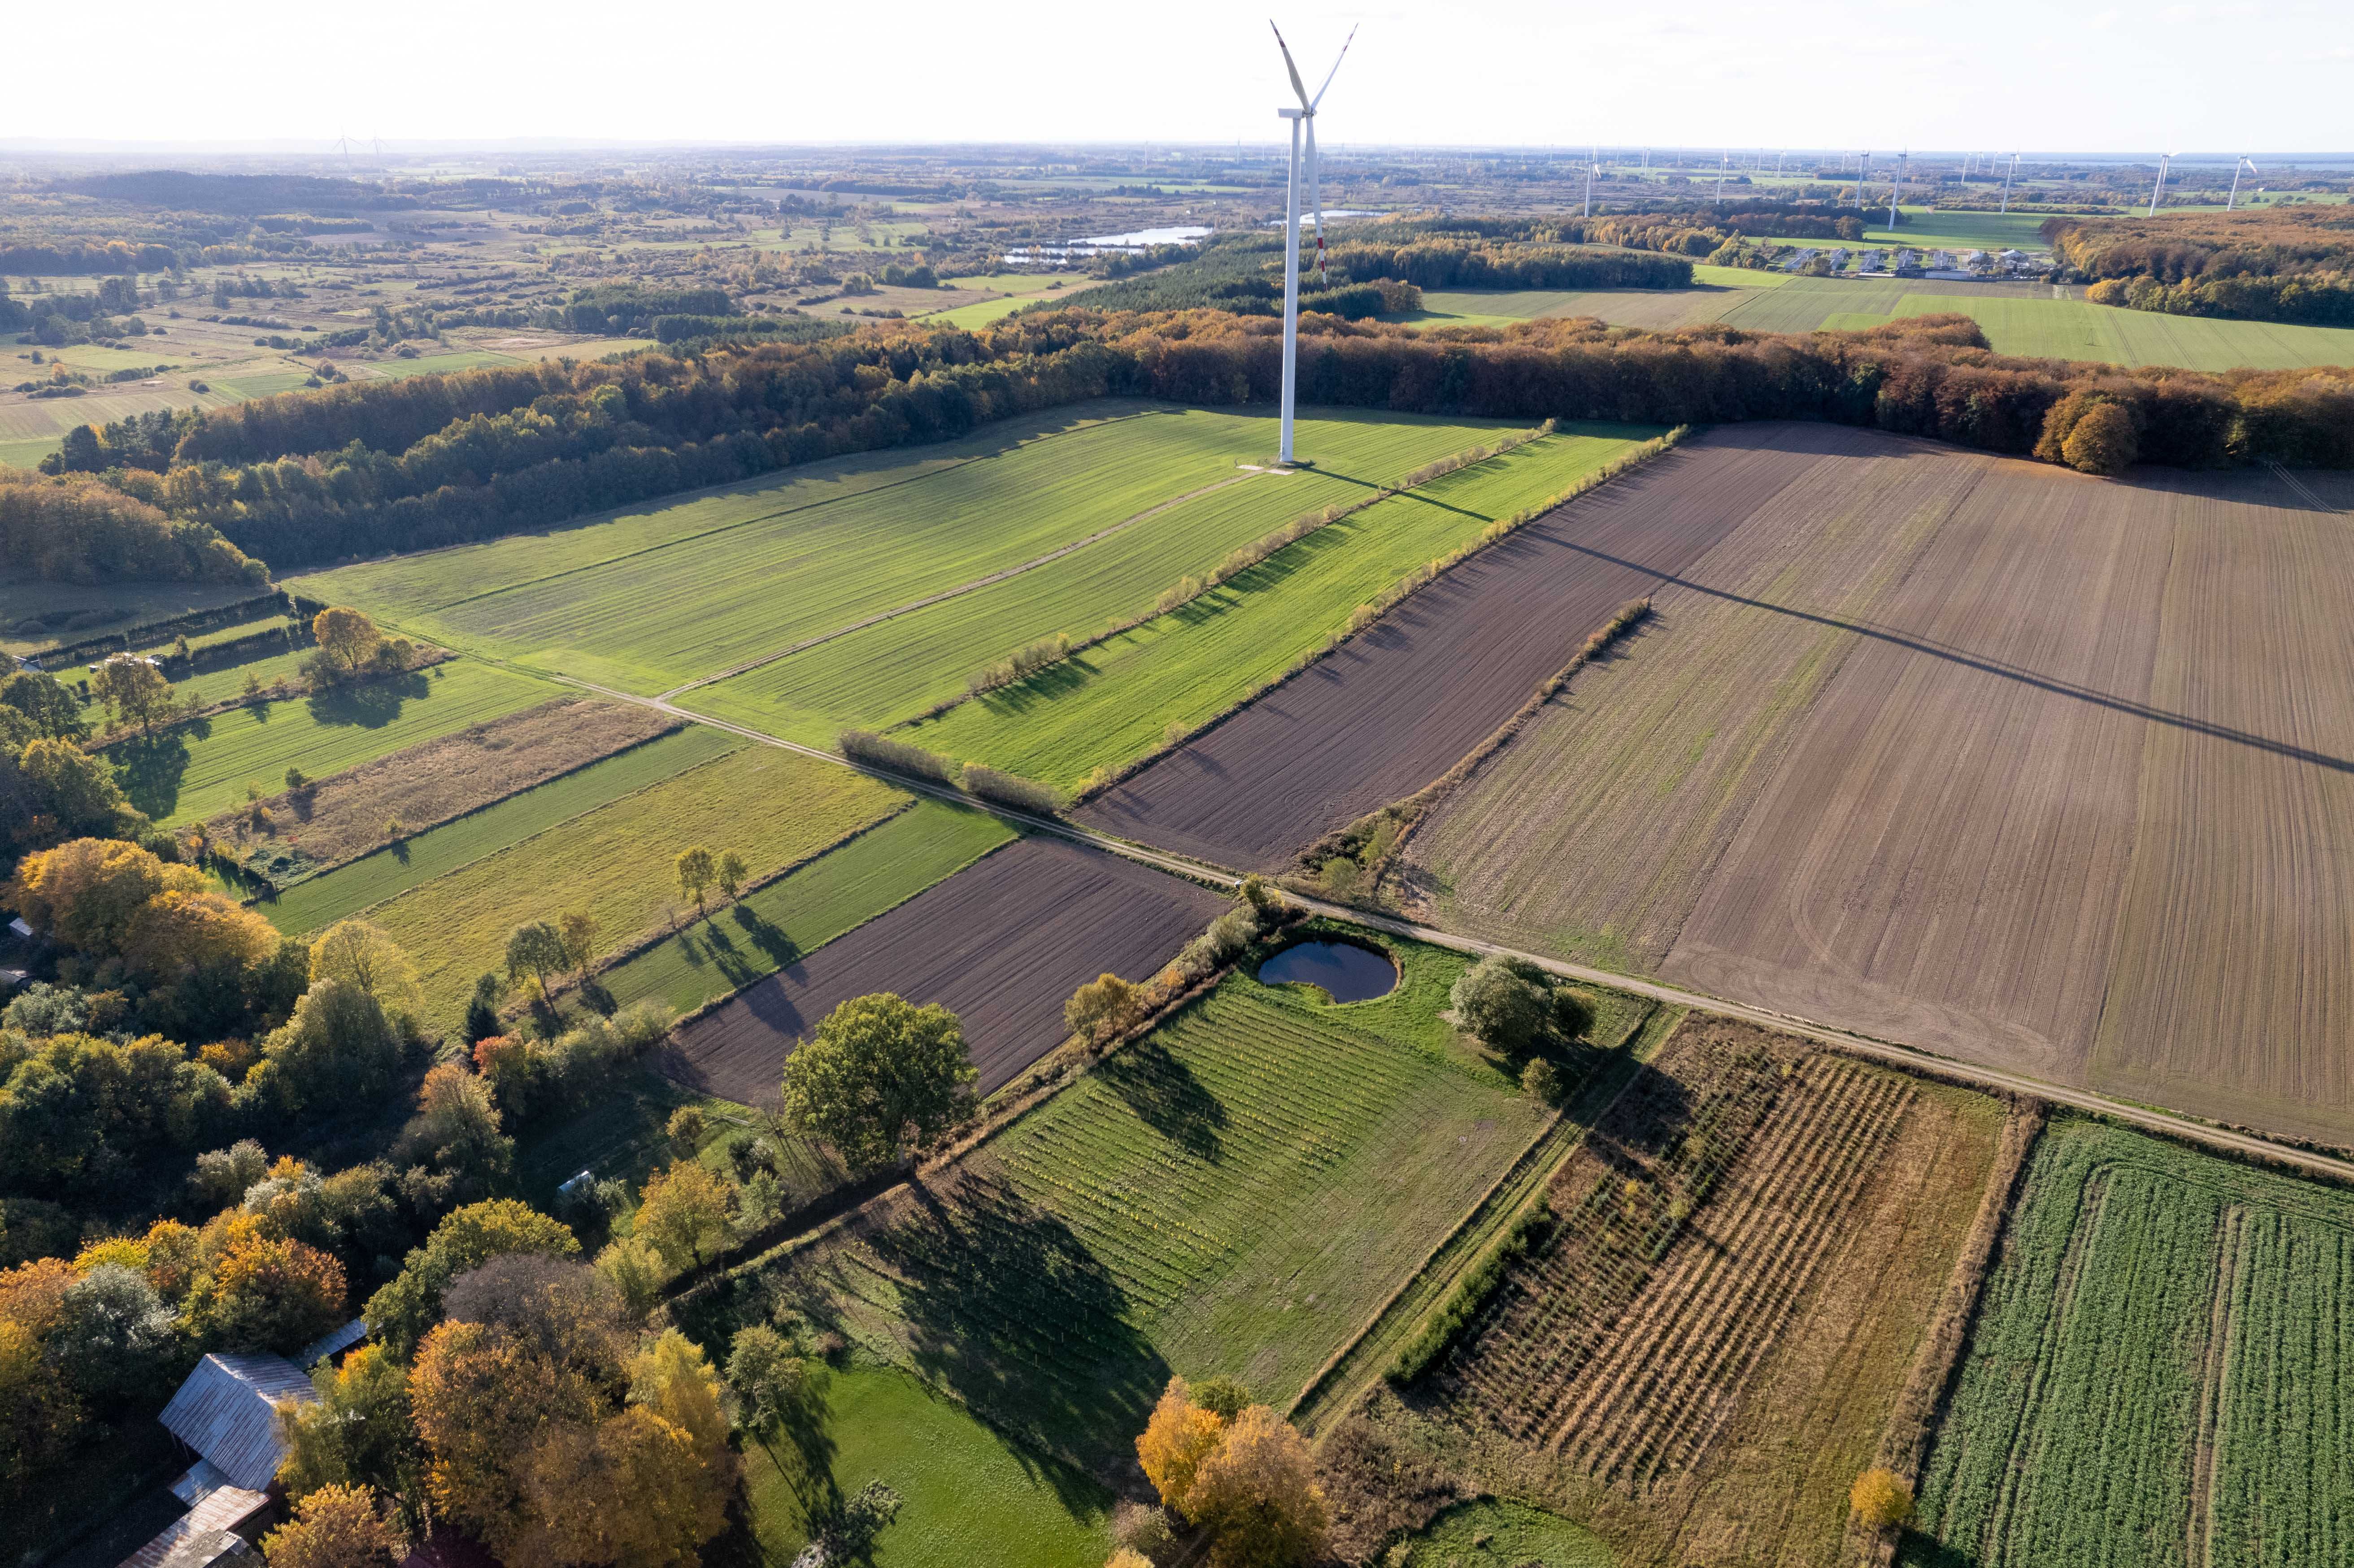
{"points": [[1346, 972]]}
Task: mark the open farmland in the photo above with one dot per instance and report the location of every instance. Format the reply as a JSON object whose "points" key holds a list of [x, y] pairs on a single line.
{"points": [[343, 817], [1653, 308], [35, 616], [1232, 1195], [657, 596], [773, 807], [1699, 1349], [1397, 705], [389, 870], [2159, 1372], [198, 769], [1003, 944], [1111, 704], [2072, 329], [898, 668], [1932, 760], [809, 906]]}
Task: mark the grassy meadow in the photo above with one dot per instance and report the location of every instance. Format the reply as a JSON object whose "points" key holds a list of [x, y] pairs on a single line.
{"points": [[195, 770], [773, 807], [1114, 702], [38, 615]]}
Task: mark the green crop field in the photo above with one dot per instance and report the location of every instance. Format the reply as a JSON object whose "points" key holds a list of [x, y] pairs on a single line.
{"points": [[1234, 1195], [808, 907], [323, 900], [1112, 703], [966, 1495], [773, 807], [2071, 328], [2159, 1372], [901, 667], [1654, 308], [658, 596], [198, 769]]}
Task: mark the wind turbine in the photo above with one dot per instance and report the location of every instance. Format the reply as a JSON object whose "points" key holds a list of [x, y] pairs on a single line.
{"points": [[343, 146], [1593, 162], [1303, 115], [1723, 163], [1902, 158], [1862, 169], [2159, 189], [2006, 181], [2246, 164]]}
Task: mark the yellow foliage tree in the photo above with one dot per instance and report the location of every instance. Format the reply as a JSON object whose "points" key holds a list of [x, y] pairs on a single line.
{"points": [[347, 637], [1881, 1498], [333, 1527], [1257, 1494], [628, 1492], [683, 1210], [1177, 1439], [363, 953]]}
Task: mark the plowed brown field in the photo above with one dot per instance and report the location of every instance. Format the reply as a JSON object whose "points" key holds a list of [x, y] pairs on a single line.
{"points": [[2040, 772], [1003, 944], [1398, 706]]}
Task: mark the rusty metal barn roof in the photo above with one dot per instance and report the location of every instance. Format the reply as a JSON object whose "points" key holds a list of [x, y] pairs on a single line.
{"points": [[227, 1412]]}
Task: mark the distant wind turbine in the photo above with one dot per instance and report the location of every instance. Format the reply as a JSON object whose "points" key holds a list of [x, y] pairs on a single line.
{"points": [[2245, 165], [1303, 115], [1862, 169], [2159, 189], [343, 146], [1723, 163], [1902, 159], [1593, 162], [2007, 174]]}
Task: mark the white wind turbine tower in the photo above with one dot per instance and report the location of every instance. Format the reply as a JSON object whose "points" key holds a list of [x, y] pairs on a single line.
{"points": [[2159, 189], [1593, 162], [2007, 174], [2245, 165], [1902, 159], [1303, 115]]}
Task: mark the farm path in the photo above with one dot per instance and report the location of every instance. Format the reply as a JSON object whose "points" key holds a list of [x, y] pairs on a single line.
{"points": [[1895, 1055], [959, 590]]}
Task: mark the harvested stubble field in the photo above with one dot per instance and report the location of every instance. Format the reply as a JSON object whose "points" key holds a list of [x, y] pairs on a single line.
{"points": [[773, 807], [2161, 1371], [1113, 703], [1232, 1196], [1697, 1353], [1003, 944], [1400, 704], [198, 769], [809, 906], [911, 664], [343, 817], [654, 597], [391, 870], [1934, 749]]}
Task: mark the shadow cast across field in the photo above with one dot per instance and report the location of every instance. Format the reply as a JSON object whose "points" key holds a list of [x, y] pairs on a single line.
{"points": [[709, 942], [150, 767], [1167, 1097], [1987, 664], [370, 705]]}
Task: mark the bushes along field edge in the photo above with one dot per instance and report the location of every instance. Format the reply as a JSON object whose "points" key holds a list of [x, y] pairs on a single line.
{"points": [[1366, 615], [1470, 1292], [909, 760], [1028, 660]]}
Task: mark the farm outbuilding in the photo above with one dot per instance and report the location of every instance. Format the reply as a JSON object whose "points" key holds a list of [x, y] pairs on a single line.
{"points": [[228, 1412]]}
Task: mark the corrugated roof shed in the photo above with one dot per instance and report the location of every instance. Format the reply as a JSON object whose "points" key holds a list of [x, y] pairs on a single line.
{"points": [[327, 1345], [227, 1413], [221, 1512]]}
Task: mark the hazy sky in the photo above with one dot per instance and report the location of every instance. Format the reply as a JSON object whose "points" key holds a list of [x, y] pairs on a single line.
{"points": [[2269, 75]]}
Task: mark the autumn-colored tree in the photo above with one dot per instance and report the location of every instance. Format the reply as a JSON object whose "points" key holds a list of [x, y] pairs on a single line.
{"points": [[176, 933], [456, 1131], [399, 1314], [346, 636], [696, 869], [1257, 1494], [771, 1380], [630, 1491], [1178, 1437], [882, 1075], [64, 792], [269, 1293], [483, 1400], [359, 1433], [635, 1270], [1127, 1557], [39, 1412], [366, 956], [675, 1380], [335, 1527], [731, 873], [2102, 441], [134, 690], [86, 892], [579, 931], [684, 1210], [1881, 1498], [1104, 1006]]}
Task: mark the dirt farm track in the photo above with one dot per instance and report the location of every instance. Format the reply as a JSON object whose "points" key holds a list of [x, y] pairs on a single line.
{"points": [[2040, 772]]}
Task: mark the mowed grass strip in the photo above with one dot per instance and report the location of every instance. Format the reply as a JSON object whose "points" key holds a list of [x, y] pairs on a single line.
{"points": [[323, 900], [772, 807], [808, 907], [1114, 702], [900, 667], [179, 775]]}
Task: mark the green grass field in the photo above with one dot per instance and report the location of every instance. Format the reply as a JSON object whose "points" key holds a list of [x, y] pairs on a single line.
{"points": [[966, 1495], [808, 907], [1491, 1534], [903, 666], [2071, 328], [321, 901], [1112, 703], [616, 862], [179, 775], [657, 596], [2159, 1371], [37, 615], [1234, 1195]]}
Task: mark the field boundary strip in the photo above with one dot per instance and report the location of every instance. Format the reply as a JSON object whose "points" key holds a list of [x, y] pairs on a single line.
{"points": [[1929, 1064], [959, 590]]}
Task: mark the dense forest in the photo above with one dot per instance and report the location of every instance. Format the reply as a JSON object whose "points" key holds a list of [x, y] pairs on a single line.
{"points": [[2284, 264]]}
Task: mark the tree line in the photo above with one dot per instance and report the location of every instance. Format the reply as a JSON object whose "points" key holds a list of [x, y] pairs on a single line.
{"points": [[79, 530], [1460, 264], [2272, 264]]}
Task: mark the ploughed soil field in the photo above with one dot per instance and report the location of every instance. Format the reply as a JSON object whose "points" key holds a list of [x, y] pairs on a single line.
{"points": [[1003, 944], [2039, 770], [1397, 705]]}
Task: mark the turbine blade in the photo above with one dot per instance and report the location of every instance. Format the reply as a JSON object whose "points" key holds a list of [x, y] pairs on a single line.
{"points": [[1336, 67], [1288, 66]]}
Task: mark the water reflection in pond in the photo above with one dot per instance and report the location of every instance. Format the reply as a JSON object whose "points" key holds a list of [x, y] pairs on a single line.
{"points": [[1346, 972]]}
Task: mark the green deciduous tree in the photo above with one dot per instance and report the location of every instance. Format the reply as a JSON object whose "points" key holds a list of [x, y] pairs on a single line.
{"points": [[696, 869], [1505, 1001], [536, 949], [346, 636], [880, 1076], [401, 1312], [730, 874]]}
